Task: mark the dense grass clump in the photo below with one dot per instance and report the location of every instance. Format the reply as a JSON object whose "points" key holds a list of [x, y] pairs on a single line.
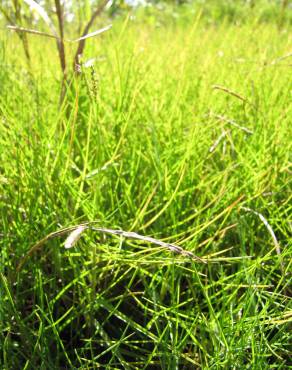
{"points": [[180, 132]]}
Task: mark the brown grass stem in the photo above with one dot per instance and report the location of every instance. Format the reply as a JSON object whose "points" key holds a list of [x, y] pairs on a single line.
{"points": [[81, 44], [230, 92]]}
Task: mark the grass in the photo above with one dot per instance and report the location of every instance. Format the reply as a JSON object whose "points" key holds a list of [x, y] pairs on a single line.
{"points": [[181, 131]]}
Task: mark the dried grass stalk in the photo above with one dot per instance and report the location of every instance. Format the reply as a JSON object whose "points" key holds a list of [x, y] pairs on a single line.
{"points": [[42, 12], [23, 37], [230, 92], [45, 34], [85, 32], [270, 230], [61, 47], [277, 60], [92, 34], [28, 30], [232, 123], [60, 43], [133, 235], [75, 233], [217, 141]]}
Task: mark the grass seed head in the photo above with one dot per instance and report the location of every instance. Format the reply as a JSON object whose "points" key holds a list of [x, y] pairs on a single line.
{"points": [[74, 237]]}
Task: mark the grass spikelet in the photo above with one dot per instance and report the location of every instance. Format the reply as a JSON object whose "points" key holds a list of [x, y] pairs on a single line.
{"points": [[230, 92], [74, 237]]}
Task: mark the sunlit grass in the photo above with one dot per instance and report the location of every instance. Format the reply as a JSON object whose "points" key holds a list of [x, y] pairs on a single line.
{"points": [[144, 142]]}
